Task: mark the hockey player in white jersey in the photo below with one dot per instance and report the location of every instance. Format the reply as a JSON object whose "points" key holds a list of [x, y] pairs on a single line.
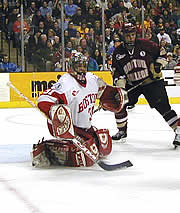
{"points": [[69, 106]]}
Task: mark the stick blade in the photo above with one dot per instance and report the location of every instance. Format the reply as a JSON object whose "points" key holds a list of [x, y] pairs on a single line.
{"points": [[113, 167]]}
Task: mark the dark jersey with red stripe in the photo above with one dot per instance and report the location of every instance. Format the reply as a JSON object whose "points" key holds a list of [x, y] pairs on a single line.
{"points": [[135, 64]]}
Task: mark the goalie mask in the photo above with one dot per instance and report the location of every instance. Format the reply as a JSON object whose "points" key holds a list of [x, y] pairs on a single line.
{"points": [[77, 67], [129, 35]]}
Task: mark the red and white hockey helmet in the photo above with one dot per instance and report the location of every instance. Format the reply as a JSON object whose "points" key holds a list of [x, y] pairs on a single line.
{"points": [[76, 61], [77, 66]]}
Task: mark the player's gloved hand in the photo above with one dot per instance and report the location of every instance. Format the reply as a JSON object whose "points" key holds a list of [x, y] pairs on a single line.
{"points": [[155, 69]]}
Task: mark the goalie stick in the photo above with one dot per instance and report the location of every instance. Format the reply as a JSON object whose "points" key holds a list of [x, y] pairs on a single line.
{"points": [[77, 143]]}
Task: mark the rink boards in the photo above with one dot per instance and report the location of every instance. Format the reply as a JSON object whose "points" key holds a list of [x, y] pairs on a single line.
{"points": [[33, 84]]}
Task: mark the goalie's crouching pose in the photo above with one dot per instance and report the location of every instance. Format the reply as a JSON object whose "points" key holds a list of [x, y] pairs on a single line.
{"points": [[69, 106]]}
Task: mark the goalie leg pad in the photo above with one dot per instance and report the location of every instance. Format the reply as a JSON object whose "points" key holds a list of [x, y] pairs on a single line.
{"points": [[61, 121], [105, 142], [39, 156], [61, 153], [78, 158], [113, 98]]}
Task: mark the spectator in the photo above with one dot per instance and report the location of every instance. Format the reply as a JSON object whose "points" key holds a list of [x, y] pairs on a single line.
{"points": [[69, 48], [109, 11], [12, 17], [135, 11], [77, 18], [164, 35], [98, 57], [48, 22], [83, 29], [84, 45], [37, 18], [45, 9], [70, 9], [41, 28], [166, 16], [71, 30], [57, 59], [159, 8], [77, 38], [98, 12], [90, 42], [120, 7], [174, 36], [176, 52], [57, 29], [138, 29], [32, 45], [90, 17], [108, 37], [165, 45], [31, 10], [147, 22], [79, 49], [6, 66], [56, 42], [111, 49], [51, 36], [44, 57], [56, 10], [66, 22], [92, 63], [97, 28], [17, 30], [171, 63], [151, 36]]}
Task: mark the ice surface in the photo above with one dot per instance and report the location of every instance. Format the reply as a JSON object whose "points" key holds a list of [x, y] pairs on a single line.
{"points": [[152, 185]]}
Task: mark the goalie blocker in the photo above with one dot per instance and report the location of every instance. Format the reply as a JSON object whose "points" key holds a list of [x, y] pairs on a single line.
{"points": [[62, 151]]}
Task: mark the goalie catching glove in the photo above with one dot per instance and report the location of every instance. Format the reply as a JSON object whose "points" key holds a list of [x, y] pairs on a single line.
{"points": [[113, 98]]}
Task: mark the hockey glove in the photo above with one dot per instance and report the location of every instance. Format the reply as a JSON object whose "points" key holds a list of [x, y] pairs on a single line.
{"points": [[155, 69]]}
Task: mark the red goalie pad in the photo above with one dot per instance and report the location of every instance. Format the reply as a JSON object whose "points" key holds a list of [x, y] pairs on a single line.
{"points": [[61, 121], [112, 99]]}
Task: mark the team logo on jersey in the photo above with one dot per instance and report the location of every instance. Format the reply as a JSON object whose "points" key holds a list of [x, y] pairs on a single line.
{"points": [[74, 92], [119, 57], [142, 53]]}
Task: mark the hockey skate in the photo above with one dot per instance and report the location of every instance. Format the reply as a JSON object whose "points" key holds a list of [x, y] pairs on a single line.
{"points": [[176, 141], [120, 136]]}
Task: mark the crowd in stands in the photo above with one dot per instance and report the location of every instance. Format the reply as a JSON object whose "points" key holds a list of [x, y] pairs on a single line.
{"points": [[83, 28]]}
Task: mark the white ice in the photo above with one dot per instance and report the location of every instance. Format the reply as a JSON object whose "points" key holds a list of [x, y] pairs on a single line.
{"points": [[152, 185]]}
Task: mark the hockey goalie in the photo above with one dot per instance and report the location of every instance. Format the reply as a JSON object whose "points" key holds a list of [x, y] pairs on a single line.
{"points": [[69, 107]]}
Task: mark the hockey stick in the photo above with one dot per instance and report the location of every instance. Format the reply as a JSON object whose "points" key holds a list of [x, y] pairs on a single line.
{"points": [[77, 143]]}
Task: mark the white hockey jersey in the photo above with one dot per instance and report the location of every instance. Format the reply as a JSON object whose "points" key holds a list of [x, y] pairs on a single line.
{"points": [[81, 100]]}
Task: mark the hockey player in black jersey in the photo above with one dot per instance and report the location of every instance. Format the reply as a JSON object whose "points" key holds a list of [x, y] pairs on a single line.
{"points": [[137, 64]]}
